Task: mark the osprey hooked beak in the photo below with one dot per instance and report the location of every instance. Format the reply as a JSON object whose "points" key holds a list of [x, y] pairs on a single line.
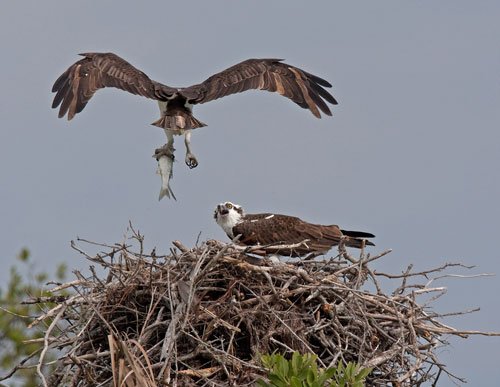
{"points": [[223, 209]]}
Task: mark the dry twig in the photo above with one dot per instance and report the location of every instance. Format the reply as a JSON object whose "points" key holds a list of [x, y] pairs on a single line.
{"points": [[202, 316]]}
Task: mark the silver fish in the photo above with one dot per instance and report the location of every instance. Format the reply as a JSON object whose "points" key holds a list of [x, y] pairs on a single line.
{"points": [[165, 158]]}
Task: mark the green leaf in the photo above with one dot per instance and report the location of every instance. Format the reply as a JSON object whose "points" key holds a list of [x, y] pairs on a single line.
{"points": [[303, 371], [296, 363], [23, 255], [61, 271], [277, 381], [295, 382], [24, 281], [282, 366], [326, 375], [363, 373], [311, 376]]}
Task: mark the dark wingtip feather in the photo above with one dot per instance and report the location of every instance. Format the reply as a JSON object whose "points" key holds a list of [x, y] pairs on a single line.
{"points": [[330, 98], [322, 92], [318, 80], [55, 103], [357, 234], [319, 102], [59, 83], [61, 89]]}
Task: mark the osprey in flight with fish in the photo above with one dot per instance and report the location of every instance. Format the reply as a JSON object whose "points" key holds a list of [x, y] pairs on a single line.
{"points": [[76, 86]]}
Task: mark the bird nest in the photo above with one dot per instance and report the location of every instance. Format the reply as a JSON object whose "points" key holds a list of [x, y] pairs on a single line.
{"points": [[203, 316]]}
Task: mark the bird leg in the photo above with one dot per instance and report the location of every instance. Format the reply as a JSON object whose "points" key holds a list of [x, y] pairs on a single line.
{"points": [[167, 149], [191, 161]]}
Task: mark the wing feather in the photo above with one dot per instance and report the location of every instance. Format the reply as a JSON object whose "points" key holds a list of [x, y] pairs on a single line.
{"points": [[278, 229], [275, 233], [62, 89], [76, 86], [305, 89], [316, 98], [323, 93], [318, 80]]}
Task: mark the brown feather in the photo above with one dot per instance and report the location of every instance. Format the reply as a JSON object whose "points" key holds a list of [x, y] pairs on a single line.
{"points": [[305, 89], [76, 86], [267, 230]]}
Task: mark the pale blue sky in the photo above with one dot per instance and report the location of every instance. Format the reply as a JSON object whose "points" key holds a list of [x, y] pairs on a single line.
{"points": [[412, 153]]}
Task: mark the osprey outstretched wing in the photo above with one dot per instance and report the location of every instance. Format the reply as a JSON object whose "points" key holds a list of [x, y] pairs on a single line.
{"points": [[275, 233], [76, 86], [80, 81], [305, 89]]}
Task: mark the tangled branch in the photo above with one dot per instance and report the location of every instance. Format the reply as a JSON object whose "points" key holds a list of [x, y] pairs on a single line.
{"points": [[204, 315]]}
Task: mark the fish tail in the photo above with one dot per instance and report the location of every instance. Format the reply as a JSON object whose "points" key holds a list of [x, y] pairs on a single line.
{"points": [[166, 191]]}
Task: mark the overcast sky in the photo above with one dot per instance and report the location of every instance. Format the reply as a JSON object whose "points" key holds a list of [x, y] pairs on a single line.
{"points": [[412, 153]]}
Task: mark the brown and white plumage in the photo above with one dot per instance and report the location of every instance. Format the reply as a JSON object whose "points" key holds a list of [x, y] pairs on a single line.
{"points": [[76, 86], [80, 81], [305, 89], [271, 230]]}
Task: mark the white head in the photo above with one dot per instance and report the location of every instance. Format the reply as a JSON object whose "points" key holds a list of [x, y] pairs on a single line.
{"points": [[227, 215]]}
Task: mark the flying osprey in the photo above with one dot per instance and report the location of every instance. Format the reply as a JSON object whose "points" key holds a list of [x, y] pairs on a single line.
{"points": [[80, 81], [276, 233]]}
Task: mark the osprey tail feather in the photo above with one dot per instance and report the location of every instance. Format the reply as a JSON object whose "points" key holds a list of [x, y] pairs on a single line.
{"points": [[179, 122], [357, 238]]}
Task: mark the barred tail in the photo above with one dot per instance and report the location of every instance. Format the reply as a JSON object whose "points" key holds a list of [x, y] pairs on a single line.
{"points": [[180, 121]]}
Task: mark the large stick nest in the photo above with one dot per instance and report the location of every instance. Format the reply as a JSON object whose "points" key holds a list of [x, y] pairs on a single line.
{"points": [[203, 316]]}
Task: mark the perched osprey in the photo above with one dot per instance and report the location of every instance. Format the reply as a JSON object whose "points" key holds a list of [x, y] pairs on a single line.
{"points": [[275, 233], [80, 81]]}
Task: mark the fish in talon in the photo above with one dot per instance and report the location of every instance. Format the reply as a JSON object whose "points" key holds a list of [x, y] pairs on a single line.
{"points": [[165, 170]]}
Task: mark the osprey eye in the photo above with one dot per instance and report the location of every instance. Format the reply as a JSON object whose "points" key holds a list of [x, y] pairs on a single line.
{"points": [[229, 206]]}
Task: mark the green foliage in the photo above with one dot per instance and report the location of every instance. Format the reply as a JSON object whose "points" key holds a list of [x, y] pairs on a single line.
{"points": [[15, 317], [303, 371]]}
